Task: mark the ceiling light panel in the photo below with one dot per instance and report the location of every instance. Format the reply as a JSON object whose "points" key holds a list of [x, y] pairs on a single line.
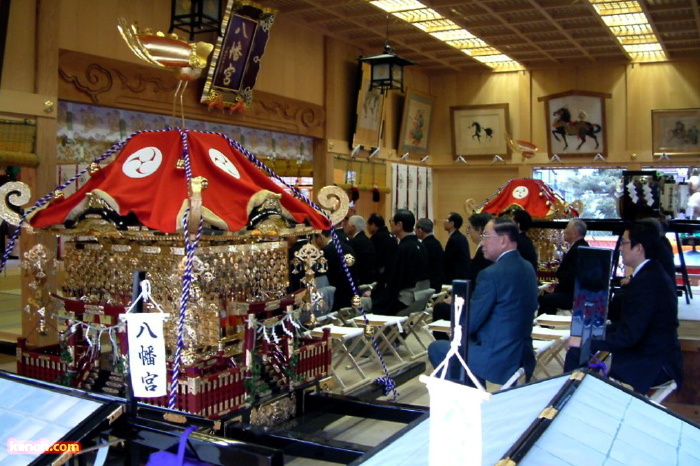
{"points": [[628, 22], [392, 6], [432, 22]]}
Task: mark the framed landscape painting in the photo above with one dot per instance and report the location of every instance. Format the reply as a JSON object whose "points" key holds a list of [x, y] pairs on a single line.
{"points": [[676, 132]]}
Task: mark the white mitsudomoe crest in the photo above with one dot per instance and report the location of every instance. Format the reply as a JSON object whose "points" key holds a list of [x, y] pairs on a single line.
{"points": [[142, 163], [223, 162]]}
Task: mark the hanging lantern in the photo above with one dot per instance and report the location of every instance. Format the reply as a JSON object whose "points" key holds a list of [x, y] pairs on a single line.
{"points": [[387, 68], [195, 16]]}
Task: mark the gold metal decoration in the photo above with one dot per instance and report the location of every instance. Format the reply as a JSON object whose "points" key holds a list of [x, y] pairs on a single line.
{"points": [[369, 331], [267, 215], [356, 301], [335, 201], [226, 277], [197, 184], [274, 413], [16, 194], [186, 60], [93, 168], [469, 206], [38, 263], [312, 259], [349, 259]]}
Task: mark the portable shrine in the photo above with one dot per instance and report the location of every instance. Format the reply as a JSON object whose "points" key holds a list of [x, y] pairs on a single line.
{"points": [[202, 217], [542, 203]]}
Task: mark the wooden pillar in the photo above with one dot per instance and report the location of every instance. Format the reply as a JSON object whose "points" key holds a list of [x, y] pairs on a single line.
{"points": [[43, 179]]}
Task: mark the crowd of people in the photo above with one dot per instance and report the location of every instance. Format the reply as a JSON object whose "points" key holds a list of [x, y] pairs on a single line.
{"points": [[391, 263]]}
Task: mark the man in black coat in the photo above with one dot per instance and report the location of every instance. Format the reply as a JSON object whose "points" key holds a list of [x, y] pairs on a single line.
{"points": [[560, 295], [385, 245], [477, 223], [526, 247], [336, 274], [457, 255], [644, 343], [407, 269], [436, 255], [443, 310], [364, 250]]}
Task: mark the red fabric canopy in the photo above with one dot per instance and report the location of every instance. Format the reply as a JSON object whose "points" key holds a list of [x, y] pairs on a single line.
{"points": [[144, 179], [532, 195]]}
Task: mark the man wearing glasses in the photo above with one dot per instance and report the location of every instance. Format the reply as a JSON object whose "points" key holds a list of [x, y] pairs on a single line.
{"points": [[644, 343], [500, 311]]}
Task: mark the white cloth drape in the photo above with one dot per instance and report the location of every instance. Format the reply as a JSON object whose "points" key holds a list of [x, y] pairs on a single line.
{"points": [[412, 189]]}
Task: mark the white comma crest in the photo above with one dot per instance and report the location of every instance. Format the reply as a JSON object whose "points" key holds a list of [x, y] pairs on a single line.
{"points": [[224, 163], [142, 163]]}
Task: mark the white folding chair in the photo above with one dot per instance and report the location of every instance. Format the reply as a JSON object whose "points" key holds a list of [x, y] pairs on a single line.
{"points": [[441, 325], [543, 333], [520, 373], [344, 341], [387, 331], [418, 314], [660, 392], [556, 321], [547, 351]]}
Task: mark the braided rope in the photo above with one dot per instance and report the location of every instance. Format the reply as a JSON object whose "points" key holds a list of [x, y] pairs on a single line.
{"points": [[190, 247]]}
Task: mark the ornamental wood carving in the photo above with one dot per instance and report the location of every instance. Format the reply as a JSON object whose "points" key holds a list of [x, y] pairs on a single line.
{"points": [[103, 81]]}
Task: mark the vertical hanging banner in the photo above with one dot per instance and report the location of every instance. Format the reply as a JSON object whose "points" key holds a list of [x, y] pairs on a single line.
{"points": [[236, 60], [147, 364]]}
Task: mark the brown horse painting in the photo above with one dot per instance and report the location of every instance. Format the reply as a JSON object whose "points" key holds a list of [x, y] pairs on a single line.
{"points": [[563, 126]]}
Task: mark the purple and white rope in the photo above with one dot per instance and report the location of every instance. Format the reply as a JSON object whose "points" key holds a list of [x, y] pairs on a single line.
{"points": [[386, 382], [187, 278]]}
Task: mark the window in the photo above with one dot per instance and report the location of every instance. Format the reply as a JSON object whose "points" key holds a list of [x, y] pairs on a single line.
{"points": [[597, 188]]}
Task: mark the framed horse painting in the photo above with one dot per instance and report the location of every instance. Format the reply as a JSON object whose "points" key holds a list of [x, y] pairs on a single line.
{"points": [[479, 130], [676, 132], [575, 122]]}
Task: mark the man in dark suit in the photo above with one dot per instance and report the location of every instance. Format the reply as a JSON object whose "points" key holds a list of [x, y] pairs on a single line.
{"points": [[443, 310], [436, 255], [457, 255], [407, 270], [385, 245], [336, 274], [526, 247], [364, 249], [644, 343], [560, 295], [500, 311], [477, 223]]}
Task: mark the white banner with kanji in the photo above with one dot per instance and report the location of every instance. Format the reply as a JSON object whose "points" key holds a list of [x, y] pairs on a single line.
{"points": [[147, 364]]}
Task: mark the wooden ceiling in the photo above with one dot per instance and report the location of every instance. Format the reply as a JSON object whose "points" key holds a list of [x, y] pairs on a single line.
{"points": [[536, 33]]}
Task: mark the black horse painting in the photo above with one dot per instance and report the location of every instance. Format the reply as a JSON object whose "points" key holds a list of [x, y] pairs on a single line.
{"points": [[477, 131], [563, 126]]}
